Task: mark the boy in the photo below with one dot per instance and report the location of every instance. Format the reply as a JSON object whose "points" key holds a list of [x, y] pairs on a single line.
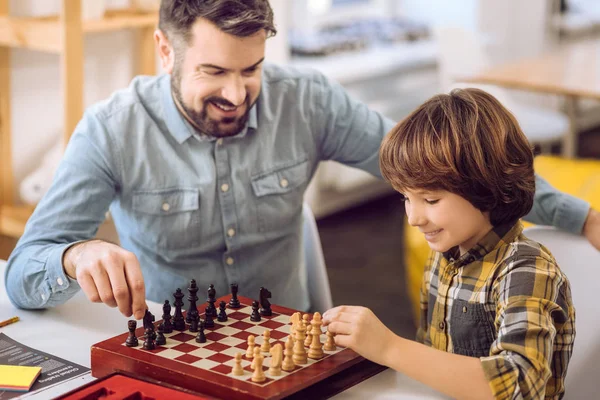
{"points": [[494, 302]]}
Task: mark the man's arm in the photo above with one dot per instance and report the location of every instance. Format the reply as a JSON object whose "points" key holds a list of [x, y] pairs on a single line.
{"points": [[71, 211]]}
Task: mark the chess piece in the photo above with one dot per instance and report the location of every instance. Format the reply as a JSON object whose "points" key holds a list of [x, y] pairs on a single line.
{"points": [[266, 344], [329, 342], [178, 321], [160, 338], [192, 298], [288, 362], [257, 353], [201, 337], [167, 326], [250, 349], [237, 367], [255, 317], [148, 320], [294, 318], [222, 317], [265, 305], [149, 340], [194, 322], [308, 339], [208, 319], [211, 301], [234, 302], [316, 347], [275, 365], [299, 351], [259, 374], [132, 340]]}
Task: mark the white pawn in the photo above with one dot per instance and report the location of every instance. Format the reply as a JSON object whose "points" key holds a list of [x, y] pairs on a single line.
{"points": [[256, 353], [266, 344], [308, 339], [259, 374], [237, 367], [329, 343], [288, 362], [250, 350]]}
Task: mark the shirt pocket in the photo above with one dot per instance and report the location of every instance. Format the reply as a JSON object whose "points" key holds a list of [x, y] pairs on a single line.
{"points": [[279, 193], [471, 329], [168, 218]]}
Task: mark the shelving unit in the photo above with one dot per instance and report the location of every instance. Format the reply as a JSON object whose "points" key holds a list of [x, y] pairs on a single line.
{"points": [[63, 35]]}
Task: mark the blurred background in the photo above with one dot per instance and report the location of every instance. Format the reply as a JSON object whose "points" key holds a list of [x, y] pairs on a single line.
{"points": [[540, 57]]}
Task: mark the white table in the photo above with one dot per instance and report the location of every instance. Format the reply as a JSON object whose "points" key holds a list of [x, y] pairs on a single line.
{"points": [[69, 331]]}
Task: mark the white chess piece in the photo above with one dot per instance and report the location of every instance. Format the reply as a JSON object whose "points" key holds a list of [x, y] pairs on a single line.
{"points": [[237, 367]]}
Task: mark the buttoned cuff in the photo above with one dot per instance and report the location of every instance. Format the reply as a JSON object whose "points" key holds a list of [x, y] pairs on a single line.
{"points": [[571, 214], [58, 281]]}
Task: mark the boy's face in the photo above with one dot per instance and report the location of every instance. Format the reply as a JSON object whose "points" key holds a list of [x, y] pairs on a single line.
{"points": [[215, 80], [446, 219]]}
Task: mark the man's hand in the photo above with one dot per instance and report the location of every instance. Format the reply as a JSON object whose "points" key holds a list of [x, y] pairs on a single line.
{"points": [[591, 228], [108, 274], [359, 329]]}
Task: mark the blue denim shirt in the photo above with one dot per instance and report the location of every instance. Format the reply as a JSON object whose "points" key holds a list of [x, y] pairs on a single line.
{"points": [[190, 206]]}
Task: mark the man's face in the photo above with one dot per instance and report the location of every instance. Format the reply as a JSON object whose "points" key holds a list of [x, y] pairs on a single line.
{"points": [[216, 80]]}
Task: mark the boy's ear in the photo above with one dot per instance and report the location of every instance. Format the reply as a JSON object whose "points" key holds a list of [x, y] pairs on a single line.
{"points": [[165, 51]]}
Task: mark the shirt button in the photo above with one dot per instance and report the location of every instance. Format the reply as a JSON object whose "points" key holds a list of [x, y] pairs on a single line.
{"points": [[284, 183], [229, 261], [224, 187], [59, 281], [231, 232], [220, 141], [442, 325], [166, 206]]}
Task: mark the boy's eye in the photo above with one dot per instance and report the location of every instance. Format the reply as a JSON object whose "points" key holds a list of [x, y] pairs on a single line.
{"points": [[431, 201]]}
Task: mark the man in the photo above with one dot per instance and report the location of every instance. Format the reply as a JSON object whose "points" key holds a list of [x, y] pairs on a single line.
{"points": [[204, 170]]}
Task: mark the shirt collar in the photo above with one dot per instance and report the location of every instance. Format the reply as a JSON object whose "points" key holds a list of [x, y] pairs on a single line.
{"points": [[499, 235], [180, 128]]}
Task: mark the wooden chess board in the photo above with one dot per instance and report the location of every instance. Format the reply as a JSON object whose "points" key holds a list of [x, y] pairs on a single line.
{"points": [[206, 367]]}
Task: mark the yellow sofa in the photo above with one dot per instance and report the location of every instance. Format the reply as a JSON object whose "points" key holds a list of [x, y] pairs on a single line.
{"points": [[580, 178]]}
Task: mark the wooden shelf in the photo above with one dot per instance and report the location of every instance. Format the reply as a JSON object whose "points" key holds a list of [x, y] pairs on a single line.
{"points": [[13, 219], [44, 34]]}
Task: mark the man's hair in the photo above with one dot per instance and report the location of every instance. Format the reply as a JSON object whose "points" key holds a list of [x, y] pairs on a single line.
{"points": [[237, 17], [466, 143]]}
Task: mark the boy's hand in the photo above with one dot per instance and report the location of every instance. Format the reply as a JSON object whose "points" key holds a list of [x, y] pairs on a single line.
{"points": [[359, 329]]}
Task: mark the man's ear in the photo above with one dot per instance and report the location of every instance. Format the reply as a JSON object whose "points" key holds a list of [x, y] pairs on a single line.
{"points": [[165, 51]]}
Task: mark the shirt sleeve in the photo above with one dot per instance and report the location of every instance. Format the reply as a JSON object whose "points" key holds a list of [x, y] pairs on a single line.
{"points": [[552, 207], [533, 303], [71, 211], [349, 132]]}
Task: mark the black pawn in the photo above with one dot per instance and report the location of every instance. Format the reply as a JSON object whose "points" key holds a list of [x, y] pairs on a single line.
{"points": [[200, 337], [132, 340], [255, 317], [178, 321], [211, 299], [222, 314], [234, 302], [192, 298], [167, 325], [194, 323], [161, 339], [208, 319], [149, 340]]}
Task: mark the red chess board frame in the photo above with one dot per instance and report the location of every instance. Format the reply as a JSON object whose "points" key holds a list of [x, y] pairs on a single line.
{"points": [[325, 377]]}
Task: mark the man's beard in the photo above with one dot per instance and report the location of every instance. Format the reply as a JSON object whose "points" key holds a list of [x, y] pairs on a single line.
{"points": [[200, 119]]}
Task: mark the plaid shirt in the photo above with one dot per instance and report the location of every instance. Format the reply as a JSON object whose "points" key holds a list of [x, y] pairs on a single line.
{"points": [[506, 302]]}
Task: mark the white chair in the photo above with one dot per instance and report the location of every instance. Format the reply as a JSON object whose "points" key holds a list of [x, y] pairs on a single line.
{"points": [[581, 263], [316, 272], [461, 54]]}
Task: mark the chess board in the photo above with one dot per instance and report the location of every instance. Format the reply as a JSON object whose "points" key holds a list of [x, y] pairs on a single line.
{"points": [[206, 367]]}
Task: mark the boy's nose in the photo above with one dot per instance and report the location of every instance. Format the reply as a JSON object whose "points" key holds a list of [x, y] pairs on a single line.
{"points": [[415, 218]]}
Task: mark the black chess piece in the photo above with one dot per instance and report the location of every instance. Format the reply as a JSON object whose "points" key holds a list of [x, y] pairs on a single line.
{"points": [[149, 339], [208, 319], [234, 302], [194, 323], [160, 338], [201, 338], [132, 340], [167, 326], [255, 317], [265, 304], [222, 317], [211, 299], [148, 320], [192, 298], [178, 320]]}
